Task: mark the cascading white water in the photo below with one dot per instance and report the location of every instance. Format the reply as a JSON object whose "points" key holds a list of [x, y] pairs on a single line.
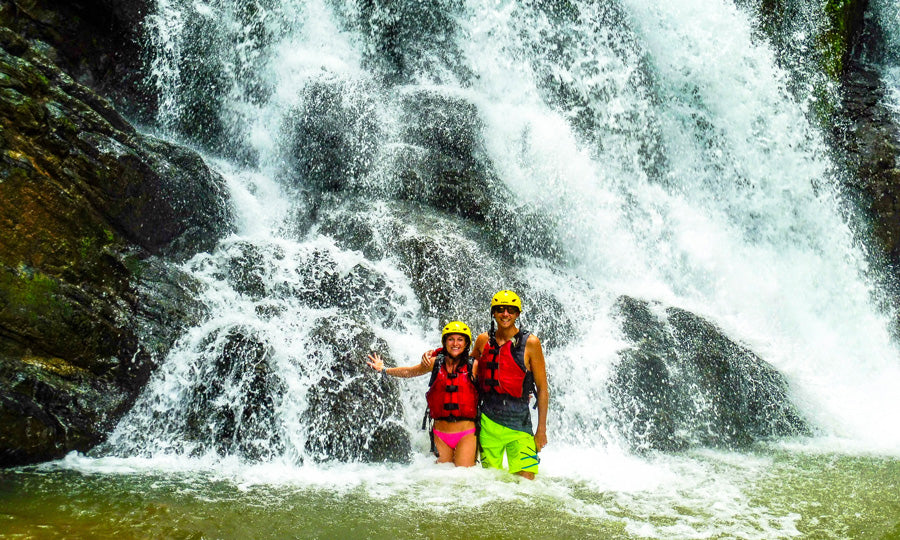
{"points": [[673, 166], [738, 221], [741, 225]]}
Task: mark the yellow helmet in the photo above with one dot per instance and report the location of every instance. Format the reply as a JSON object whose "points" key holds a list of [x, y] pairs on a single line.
{"points": [[506, 298], [456, 327]]}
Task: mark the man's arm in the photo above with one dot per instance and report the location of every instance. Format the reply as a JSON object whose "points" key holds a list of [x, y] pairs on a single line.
{"points": [[534, 357], [478, 346], [477, 349]]}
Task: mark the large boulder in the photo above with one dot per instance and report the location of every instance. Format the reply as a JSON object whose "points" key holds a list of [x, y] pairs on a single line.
{"points": [[354, 414], [91, 212], [408, 41], [330, 138], [683, 383], [233, 407], [870, 139]]}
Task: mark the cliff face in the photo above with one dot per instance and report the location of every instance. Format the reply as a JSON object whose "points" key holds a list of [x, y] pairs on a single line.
{"points": [[92, 212]]}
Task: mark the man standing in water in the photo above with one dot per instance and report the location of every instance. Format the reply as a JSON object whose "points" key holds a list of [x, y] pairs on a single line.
{"points": [[510, 368]]}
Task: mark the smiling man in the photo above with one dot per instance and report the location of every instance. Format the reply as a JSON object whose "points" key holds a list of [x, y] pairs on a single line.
{"points": [[510, 368]]}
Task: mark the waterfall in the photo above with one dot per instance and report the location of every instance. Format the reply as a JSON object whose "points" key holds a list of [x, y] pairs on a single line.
{"points": [[585, 151]]}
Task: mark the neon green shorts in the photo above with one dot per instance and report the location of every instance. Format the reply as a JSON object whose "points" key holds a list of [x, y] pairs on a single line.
{"points": [[495, 439]]}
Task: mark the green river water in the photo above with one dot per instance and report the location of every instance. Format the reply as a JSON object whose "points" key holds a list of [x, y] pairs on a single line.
{"points": [[770, 493]]}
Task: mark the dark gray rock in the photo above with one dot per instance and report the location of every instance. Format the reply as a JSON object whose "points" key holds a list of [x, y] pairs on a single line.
{"points": [[331, 136], [233, 408], [87, 208], [407, 40], [683, 384], [354, 414], [97, 42], [870, 139]]}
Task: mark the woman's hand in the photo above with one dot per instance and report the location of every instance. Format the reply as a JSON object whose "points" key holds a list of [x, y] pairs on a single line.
{"points": [[376, 362], [428, 360]]}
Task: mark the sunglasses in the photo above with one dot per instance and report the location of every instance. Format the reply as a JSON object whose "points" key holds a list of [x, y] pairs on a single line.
{"points": [[509, 309]]}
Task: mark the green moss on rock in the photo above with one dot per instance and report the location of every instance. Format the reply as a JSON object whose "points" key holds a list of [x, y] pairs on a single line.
{"points": [[836, 39]]}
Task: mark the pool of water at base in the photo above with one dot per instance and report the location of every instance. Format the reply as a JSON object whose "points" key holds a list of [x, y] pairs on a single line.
{"points": [[766, 493]]}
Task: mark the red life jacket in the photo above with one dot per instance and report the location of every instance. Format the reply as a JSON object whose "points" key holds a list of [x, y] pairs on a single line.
{"points": [[452, 396], [501, 370]]}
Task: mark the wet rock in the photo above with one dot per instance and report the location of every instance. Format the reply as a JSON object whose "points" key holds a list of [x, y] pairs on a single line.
{"points": [[90, 213], [354, 414], [66, 379], [166, 304], [233, 410], [870, 139], [453, 270], [359, 290], [49, 406], [435, 251], [354, 226], [153, 193], [447, 274], [97, 42], [444, 165], [332, 135], [683, 384], [407, 40], [247, 267]]}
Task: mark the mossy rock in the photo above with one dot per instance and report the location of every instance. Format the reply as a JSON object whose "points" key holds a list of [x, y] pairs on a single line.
{"points": [[93, 215]]}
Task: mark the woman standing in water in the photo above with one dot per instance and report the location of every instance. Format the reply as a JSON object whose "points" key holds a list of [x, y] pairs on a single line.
{"points": [[452, 397]]}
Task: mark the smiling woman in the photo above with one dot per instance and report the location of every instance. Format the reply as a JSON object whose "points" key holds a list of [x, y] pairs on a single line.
{"points": [[452, 397]]}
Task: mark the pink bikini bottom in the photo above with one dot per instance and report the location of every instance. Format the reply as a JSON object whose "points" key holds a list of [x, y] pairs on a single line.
{"points": [[452, 439]]}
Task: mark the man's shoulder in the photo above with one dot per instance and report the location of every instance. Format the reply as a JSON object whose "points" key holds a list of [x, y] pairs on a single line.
{"points": [[480, 341]]}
